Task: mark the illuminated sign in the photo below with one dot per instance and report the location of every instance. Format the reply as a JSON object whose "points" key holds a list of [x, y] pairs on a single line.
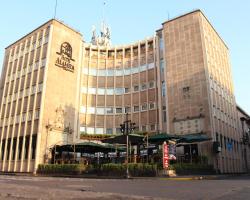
{"points": [[64, 60], [165, 156]]}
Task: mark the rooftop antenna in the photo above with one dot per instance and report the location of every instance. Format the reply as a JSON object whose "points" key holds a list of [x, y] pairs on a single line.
{"points": [[55, 9]]}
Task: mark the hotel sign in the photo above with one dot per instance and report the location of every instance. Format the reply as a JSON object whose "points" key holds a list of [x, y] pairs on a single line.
{"points": [[64, 59], [165, 157]]}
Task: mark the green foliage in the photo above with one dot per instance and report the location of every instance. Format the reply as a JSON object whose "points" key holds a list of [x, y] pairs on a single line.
{"points": [[135, 169], [192, 168], [61, 168], [110, 169]]}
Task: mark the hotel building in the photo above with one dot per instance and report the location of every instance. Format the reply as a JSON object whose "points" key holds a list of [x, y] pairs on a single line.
{"points": [[55, 86]]}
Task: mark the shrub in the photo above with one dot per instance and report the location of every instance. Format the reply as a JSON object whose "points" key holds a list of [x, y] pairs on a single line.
{"points": [[192, 168], [61, 168]]}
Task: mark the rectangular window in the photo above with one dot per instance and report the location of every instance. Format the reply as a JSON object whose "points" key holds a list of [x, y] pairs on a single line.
{"points": [[102, 72], [101, 91], [90, 110], [144, 128], [127, 90], [118, 110], [119, 91], [100, 111], [109, 131], [109, 91], [136, 108], [136, 88], [151, 84], [151, 105], [3, 149], [90, 130], [144, 86], [109, 110], [14, 148], [33, 153], [8, 149], [164, 116], [27, 142], [99, 130], [152, 127], [162, 65], [144, 107], [20, 147], [110, 72], [119, 72], [127, 109], [163, 88]]}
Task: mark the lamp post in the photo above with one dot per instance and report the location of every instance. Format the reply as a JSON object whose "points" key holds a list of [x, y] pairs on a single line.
{"points": [[126, 128]]}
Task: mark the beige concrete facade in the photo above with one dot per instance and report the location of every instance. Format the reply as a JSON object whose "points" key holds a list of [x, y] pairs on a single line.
{"points": [[55, 87]]}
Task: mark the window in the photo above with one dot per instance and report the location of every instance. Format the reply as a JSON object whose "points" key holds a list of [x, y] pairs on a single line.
{"points": [[151, 84], [127, 109], [119, 72], [109, 91], [136, 109], [91, 110], [119, 91], [109, 110], [162, 65], [144, 86], [143, 68], [163, 88], [118, 110], [99, 130], [151, 105], [90, 130], [127, 71], [127, 90], [101, 72], [100, 111], [110, 72], [144, 107], [101, 91], [92, 91], [136, 88], [92, 72], [186, 92], [109, 131], [144, 128], [152, 127], [118, 131]]}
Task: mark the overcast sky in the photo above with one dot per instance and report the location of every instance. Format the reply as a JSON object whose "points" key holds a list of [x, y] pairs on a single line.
{"points": [[133, 20]]}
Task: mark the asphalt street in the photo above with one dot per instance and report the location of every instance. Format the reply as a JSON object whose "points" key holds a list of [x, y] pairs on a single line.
{"points": [[29, 187]]}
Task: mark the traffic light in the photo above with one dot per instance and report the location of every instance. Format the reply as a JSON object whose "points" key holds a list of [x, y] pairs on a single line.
{"points": [[122, 128]]}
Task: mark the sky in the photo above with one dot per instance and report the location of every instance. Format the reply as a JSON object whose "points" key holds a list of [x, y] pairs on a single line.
{"points": [[133, 20]]}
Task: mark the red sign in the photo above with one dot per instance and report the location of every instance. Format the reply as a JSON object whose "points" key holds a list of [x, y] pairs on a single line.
{"points": [[165, 156]]}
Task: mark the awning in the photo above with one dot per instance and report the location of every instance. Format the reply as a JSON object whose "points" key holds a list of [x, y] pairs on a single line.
{"points": [[122, 139], [189, 138], [89, 147], [160, 138]]}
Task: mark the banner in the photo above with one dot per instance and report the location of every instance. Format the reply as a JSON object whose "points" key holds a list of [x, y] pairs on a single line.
{"points": [[165, 156]]}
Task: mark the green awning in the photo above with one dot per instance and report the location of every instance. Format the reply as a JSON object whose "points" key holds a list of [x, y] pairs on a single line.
{"points": [[134, 139], [160, 138], [89, 147], [189, 138]]}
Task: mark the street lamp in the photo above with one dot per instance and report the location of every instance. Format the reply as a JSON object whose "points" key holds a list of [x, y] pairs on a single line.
{"points": [[126, 128]]}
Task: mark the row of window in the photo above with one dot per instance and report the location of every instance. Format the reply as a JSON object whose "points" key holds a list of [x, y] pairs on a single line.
{"points": [[27, 48], [228, 143], [224, 117], [27, 70], [117, 91], [22, 118], [116, 110], [117, 72], [18, 145], [92, 130], [24, 93]]}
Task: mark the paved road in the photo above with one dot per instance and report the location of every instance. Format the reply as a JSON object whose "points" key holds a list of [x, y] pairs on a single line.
{"points": [[25, 187]]}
